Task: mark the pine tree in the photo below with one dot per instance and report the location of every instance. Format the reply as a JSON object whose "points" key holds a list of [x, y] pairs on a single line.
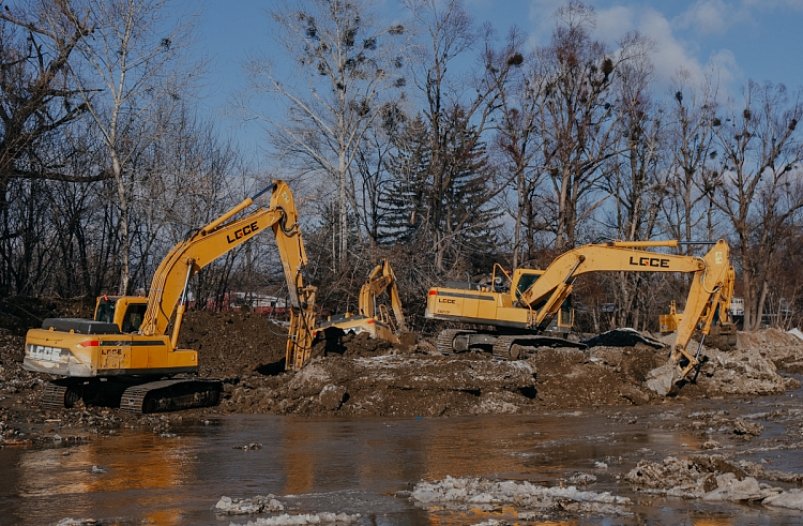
{"points": [[441, 203]]}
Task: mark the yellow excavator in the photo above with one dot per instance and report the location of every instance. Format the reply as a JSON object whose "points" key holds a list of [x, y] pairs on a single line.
{"points": [[373, 317], [126, 352], [519, 315]]}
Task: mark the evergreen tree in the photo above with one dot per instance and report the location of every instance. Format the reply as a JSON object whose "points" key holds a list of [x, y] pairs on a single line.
{"points": [[441, 204]]}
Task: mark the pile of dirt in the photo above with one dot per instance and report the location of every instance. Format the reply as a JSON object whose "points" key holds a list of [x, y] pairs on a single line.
{"points": [[783, 348], [599, 376], [390, 385], [234, 344]]}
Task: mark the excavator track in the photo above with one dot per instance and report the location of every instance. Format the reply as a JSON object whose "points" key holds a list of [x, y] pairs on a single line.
{"points": [[505, 347], [171, 395], [514, 347], [59, 396], [445, 341]]}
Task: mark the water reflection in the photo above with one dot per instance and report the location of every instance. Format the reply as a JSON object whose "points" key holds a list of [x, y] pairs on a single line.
{"points": [[130, 472], [353, 466]]}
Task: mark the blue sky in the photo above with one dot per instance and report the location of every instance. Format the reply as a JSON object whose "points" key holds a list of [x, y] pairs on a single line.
{"points": [[734, 40]]}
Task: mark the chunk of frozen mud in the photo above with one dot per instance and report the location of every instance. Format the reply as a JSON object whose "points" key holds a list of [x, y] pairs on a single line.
{"points": [[582, 479], [465, 493], [791, 499], [258, 504], [705, 477], [730, 488], [326, 518], [661, 380], [747, 429]]}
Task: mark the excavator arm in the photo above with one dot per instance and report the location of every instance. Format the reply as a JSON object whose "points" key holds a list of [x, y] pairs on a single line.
{"points": [[169, 285], [711, 288], [381, 279]]}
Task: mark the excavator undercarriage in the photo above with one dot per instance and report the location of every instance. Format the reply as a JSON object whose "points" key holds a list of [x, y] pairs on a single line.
{"points": [[133, 395]]}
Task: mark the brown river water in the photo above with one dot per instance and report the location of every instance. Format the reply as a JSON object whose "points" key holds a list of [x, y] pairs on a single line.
{"points": [[360, 466]]}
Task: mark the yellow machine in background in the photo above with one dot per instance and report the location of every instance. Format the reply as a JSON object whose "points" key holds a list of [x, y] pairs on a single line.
{"points": [[722, 331], [519, 315], [374, 317], [113, 357]]}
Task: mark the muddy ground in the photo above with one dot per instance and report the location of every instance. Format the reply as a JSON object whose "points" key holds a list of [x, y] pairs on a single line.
{"points": [[370, 378]]}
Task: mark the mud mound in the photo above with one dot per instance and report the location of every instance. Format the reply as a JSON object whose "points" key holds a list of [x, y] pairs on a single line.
{"points": [[783, 348], [747, 371], [390, 385], [233, 344], [765, 338], [596, 377]]}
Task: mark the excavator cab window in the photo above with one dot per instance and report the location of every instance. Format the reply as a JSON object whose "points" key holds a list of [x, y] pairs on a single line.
{"points": [[105, 310], [133, 317], [525, 282]]}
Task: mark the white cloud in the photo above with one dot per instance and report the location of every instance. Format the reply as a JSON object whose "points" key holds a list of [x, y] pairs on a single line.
{"points": [[708, 17], [542, 20], [613, 23], [726, 68], [673, 56], [669, 55]]}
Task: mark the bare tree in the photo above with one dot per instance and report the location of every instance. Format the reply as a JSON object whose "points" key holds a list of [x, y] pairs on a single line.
{"points": [[575, 116], [349, 68], [37, 41], [126, 69], [692, 178], [632, 179], [37, 102], [517, 141], [760, 191]]}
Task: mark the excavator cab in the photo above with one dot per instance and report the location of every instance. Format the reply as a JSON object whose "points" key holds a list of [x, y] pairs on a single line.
{"points": [[126, 312]]}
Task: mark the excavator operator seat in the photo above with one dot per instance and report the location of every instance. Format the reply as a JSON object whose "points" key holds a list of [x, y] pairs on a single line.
{"points": [[133, 317]]}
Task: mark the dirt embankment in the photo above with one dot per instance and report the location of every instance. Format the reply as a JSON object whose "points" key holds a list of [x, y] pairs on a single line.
{"points": [[370, 378]]}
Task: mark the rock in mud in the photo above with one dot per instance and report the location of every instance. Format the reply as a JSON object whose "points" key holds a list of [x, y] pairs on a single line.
{"points": [[661, 380], [258, 504], [305, 519], [332, 396], [525, 497]]}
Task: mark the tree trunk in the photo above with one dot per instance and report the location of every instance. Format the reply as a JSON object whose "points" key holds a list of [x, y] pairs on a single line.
{"points": [[125, 238]]}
